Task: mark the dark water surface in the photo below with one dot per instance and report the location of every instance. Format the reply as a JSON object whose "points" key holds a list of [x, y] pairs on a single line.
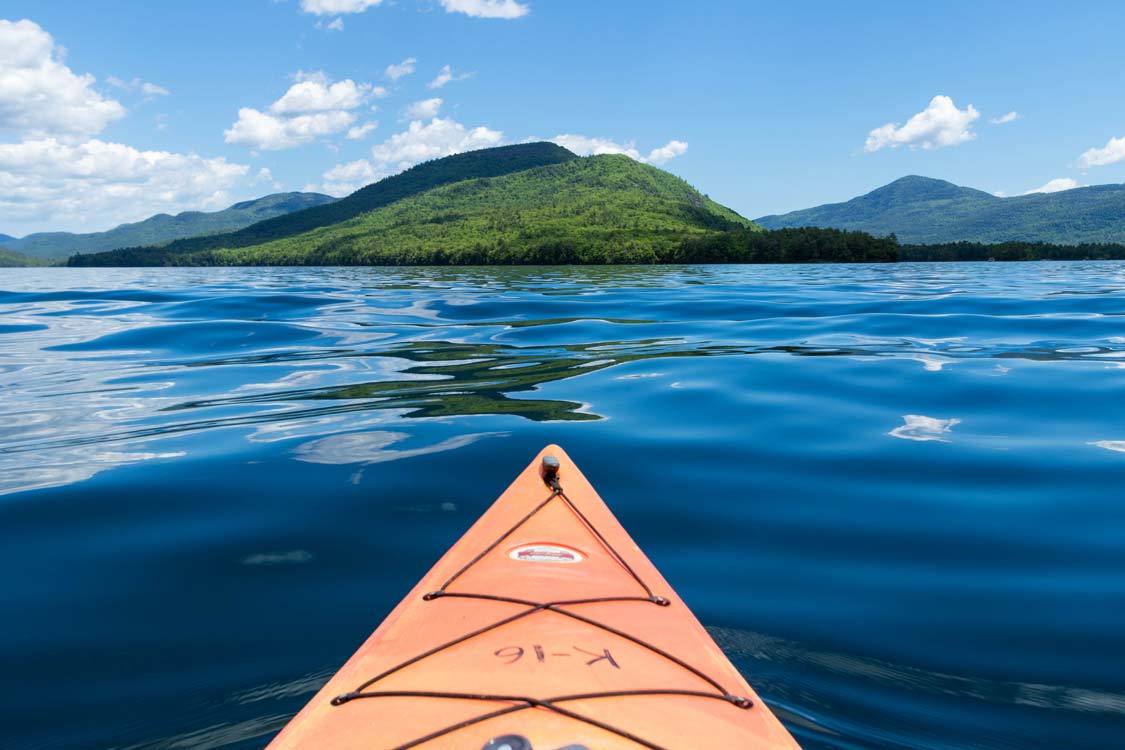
{"points": [[895, 494]]}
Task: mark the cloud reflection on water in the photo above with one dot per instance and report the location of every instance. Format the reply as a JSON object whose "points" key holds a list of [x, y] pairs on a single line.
{"points": [[90, 359], [923, 428], [371, 447]]}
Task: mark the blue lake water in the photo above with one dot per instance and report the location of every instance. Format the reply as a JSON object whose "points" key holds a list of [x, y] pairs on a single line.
{"points": [[894, 493]]}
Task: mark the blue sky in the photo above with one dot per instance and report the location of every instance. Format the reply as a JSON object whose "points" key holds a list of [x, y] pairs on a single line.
{"points": [[114, 110]]}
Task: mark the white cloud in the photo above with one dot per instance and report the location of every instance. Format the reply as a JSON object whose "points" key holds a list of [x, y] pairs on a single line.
{"points": [[312, 108], [487, 8], [150, 90], [39, 95], [446, 75], [423, 110], [586, 146], [336, 24], [359, 132], [336, 7], [314, 93], [922, 428], [1117, 446], [271, 133], [343, 179], [1005, 119], [939, 124], [1111, 153], [669, 150], [311, 75], [1056, 185], [58, 178], [422, 141], [478, 8], [266, 176], [404, 68], [54, 184]]}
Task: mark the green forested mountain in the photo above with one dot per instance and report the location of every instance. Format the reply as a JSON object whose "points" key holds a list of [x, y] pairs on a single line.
{"points": [[595, 209], [162, 228], [530, 203], [489, 162], [12, 259], [921, 210]]}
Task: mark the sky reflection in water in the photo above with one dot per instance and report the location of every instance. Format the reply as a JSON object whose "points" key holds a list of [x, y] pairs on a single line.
{"points": [[891, 491]]}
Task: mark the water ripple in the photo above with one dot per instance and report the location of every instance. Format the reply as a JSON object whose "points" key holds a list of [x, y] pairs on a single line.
{"points": [[901, 481]]}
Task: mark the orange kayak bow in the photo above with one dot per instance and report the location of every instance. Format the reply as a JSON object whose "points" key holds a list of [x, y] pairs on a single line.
{"points": [[543, 628]]}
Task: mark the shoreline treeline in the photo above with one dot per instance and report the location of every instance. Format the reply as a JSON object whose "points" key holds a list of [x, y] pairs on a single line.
{"points": [[739, 245]]}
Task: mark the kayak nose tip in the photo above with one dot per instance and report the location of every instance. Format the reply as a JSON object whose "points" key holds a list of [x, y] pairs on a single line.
{"points": [[508, 742], [549, 469]]}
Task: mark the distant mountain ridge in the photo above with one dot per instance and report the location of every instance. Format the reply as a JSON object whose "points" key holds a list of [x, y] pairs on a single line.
{"points": [[483, 163], [163, 228], [528, 203], [923, 210]]}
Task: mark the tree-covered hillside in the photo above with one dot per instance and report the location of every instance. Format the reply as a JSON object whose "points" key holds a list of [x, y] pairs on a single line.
{"points": [[1009, 251], [163, 228], [532, 203], [12, 259], [921, 210], [489, 162], [597, 209]]}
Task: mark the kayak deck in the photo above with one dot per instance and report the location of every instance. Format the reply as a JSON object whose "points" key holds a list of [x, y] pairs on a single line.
{"points": [[544, 627]]}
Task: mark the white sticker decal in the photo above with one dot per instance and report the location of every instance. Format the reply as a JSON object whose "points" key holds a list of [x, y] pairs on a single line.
{"points": [[546, 553]]}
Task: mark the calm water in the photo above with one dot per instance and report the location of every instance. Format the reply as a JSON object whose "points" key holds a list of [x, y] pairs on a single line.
{"points": [[893, 493]]}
